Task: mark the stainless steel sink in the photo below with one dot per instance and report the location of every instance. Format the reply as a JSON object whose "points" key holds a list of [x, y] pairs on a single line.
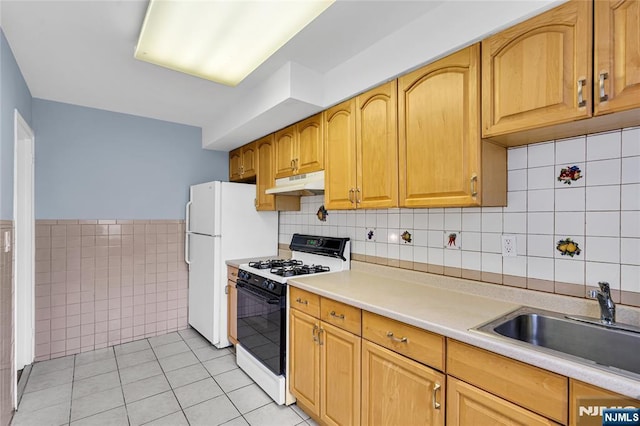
{"points": [[552, 332]]}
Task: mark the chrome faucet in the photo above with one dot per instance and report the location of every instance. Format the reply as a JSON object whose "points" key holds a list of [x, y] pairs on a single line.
{"points": [[607, 307]]}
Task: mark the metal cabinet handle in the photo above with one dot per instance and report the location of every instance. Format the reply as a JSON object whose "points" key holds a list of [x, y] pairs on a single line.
{"points": [[293, 162], [226, 289], [320, 341], [436, 404], [352, 195], [474, 185], [603, 77], [358, 200], [297, 164], [302, 302], [581, 101], [333, 314], [314, 331], [396, 339]]}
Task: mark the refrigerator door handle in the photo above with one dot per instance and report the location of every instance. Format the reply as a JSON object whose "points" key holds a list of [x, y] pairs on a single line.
{"points": [[186, 248], [186, 234], [187, 215]]}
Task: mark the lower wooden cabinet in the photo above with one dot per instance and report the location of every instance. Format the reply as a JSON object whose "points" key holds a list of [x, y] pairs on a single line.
{"points": [[232, 305], [324, 371], [468, 405], [304, 361], [585, 401], [399, 391]]}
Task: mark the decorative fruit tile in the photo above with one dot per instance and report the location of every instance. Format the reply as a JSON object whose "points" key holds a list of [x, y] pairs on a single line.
{"points": [[322, 214], [568, 247], [370, 235], [406, 238], [570, 174], [452, 240]]}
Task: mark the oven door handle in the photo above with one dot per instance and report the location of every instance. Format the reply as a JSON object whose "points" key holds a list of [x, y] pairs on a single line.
{"points": [[248, 289]]}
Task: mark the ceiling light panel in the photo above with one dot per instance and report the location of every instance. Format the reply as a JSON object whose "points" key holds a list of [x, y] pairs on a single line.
{"points": [[223, 41]]}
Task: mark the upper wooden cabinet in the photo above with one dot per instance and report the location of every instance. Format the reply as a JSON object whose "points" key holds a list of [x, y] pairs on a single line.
{"points": [[265, 175], [616, 56], [242, 163], [299, 148], [265, 179], [443, 162], [361, 143], [538, 73]]}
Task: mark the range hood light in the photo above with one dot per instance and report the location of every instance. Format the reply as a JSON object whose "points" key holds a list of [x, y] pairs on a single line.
{"points": [[221, 40]]}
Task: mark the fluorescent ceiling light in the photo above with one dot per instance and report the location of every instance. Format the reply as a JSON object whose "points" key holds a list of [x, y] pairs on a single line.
{"points": [[223, 41]]}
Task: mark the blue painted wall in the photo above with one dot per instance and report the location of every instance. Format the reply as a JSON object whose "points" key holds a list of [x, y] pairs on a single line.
{"points": [[96, 164], [14, 94]]}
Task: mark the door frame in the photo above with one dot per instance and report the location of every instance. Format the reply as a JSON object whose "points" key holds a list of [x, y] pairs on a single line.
{"points": [[24, 245]]}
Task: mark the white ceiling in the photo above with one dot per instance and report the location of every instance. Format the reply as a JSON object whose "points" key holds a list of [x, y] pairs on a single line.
{"points": [[81, 52]]}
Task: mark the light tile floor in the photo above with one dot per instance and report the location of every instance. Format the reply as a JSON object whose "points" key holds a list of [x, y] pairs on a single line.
{"points": [[174, 379]]}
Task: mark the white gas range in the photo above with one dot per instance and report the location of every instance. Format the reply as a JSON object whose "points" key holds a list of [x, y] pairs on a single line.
{"points": [[263, 311]]}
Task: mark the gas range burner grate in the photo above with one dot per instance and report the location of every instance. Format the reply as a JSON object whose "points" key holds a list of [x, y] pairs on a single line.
{"points": [[274, 263], [299, 269]]}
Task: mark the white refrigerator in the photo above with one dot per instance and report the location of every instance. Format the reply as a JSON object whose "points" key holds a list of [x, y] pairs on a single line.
{"points": [[221, 224]]}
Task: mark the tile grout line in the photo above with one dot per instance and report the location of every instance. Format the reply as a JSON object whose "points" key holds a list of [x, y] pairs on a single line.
{"points": [[164, 373], [126, 410], [73, 380]]}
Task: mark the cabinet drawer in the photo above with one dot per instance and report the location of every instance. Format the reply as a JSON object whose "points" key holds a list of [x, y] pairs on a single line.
{"points": [[421, 345], [343, 316], [304, 301], [538, 390], [232, 273]]}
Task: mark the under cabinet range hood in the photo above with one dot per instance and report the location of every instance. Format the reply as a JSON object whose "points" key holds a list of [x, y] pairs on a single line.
{"points": [[305, 184]]}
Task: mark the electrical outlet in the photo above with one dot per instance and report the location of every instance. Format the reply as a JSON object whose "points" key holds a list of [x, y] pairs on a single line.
{"points": [[509, 248]]}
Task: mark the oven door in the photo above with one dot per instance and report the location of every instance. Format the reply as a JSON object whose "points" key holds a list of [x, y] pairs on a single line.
{"points": [[261, 325]]}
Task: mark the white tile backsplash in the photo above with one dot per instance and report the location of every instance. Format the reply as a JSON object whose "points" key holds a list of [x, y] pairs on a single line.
{"points": [[541, 154], [631, 142], [603, 172], [602, 146], [631, 169], [517, 158], [600, 212], [570, 151]]}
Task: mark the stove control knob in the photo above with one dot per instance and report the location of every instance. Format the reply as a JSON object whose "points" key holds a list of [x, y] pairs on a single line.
{"points": [[265, 284], [243, 274], [272, 286]]}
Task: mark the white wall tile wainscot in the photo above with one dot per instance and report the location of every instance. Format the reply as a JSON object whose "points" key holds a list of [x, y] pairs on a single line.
{"points": [[573, 208]]}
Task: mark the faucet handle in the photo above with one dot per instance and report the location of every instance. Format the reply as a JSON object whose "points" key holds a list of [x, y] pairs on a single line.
{"points": [[604, 288]]}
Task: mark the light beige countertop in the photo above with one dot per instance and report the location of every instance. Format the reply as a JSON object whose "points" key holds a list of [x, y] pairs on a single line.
{"points": [[451, 306]]}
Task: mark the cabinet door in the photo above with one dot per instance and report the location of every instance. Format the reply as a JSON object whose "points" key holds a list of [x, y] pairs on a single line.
{"points": [[285, 141], [340, 145], [439, 136], [304, 360], [248, 161], [536, 73], [399, 391], [470, 406], [232, 311], [310, 145], [340, 376], [617, 55], [377, 147], [264, 173], [586, 396], [235, 161]]}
